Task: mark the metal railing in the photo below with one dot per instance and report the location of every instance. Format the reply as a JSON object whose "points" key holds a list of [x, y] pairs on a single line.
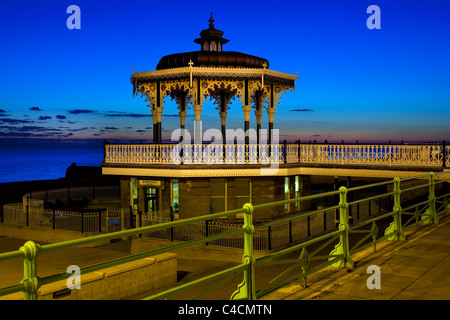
{"points": [[79, 221], [315, 253], [432, 155]]}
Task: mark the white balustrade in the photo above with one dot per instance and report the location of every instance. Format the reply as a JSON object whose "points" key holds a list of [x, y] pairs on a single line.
{"points": [[213, 154]]}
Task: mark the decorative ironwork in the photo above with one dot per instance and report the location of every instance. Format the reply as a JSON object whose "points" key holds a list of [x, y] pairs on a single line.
{"points": [[377, 155]]}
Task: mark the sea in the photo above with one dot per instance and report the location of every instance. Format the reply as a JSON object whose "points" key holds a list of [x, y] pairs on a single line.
{"points": [[29, 163]]}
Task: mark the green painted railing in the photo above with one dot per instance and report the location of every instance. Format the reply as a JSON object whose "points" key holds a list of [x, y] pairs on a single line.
{"points": [[312, 250]]}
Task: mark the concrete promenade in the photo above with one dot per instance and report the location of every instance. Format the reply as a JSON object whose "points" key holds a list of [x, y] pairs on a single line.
{"points": [[415, 269]]}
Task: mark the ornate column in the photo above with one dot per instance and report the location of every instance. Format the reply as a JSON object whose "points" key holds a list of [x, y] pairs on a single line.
{"points": [[223, 119], [153, 112], [258, 114], [158, 111], [246, 108], [198, 124], [271, 112], [182, 115]]}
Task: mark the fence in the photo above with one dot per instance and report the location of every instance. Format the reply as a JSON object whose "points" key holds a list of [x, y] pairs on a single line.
{"points": [[266, 237], [109, 220], [334, 248], [412, 155], [270, 236]]}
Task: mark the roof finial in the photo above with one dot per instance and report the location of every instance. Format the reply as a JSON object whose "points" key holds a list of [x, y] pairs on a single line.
{"points": [[211, 20]]}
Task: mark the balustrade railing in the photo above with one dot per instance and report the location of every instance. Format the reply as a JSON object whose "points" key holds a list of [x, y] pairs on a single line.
{"points": [[431, 155], [333, 248]]}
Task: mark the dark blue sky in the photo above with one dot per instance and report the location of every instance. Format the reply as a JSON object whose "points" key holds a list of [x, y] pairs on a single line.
{"points": [[356, 83]]}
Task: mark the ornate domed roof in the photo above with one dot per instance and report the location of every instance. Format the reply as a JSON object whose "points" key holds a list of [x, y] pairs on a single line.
{"points": [[211, 54]]}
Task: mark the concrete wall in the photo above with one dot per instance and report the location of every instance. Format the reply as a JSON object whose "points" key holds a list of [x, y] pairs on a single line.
{"points": [[194, 197], [124, 192], [120, 282]]}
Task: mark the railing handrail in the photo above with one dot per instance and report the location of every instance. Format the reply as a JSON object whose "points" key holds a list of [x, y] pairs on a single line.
{"points": [[340, 255], [432, 155]]}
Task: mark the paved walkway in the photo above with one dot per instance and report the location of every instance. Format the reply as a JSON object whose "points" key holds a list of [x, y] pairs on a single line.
{"points": [[415, 269]]}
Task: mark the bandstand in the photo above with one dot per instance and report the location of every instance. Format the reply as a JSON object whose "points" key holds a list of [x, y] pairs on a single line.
{"points": [[190, 176], [190, 78]]}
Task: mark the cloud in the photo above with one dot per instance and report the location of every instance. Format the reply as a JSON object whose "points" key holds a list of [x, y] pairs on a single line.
{"points": [[141, 131], [3, 113], [65, 135], [15, 121], [44, 117], [37, 129], [79, 129], [117, 112], [128, 115], [80, 111], [301, 110], [61, 117], [28, 131], [111, 128], [15, 134], [35, 109]]}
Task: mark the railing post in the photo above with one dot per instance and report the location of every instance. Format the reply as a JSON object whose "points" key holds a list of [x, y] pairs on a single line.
{"points": [[53, 218], [82, 221], [140, 222], [430, 215], [246, 290], [396, 226], [206, 230], [285, 150], [100, 221], [444, 154], [290, 231], [27, 214], [342, 248], [30, 280]]}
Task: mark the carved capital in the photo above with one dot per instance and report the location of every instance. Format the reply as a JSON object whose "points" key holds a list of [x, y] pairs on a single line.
{"points": [[246, 108], [158, 113], [271, 113], [223, 117], [258, 114], [182, 117]]}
